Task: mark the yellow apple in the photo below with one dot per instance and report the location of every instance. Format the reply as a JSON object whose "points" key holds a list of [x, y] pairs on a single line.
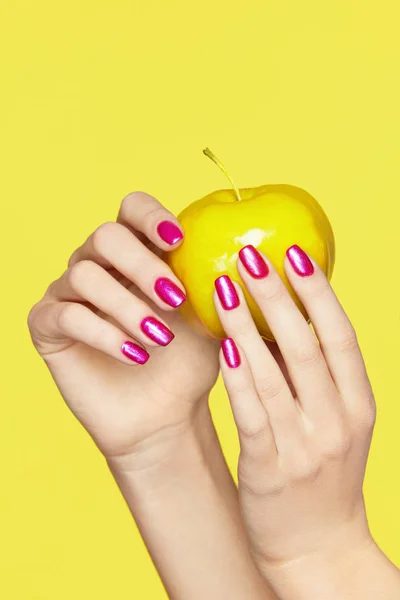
{"points": [[270, 217]]}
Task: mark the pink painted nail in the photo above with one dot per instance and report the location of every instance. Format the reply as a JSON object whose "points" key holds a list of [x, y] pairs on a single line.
{"points": [[169, 232], [135, 353], [253, 262], [226, 292], [231, 353], [156, 331], [169, 292], [300, 262]]}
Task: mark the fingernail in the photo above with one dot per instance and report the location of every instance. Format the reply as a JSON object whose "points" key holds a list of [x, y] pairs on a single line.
{"points": [[231, 353], [135, 353], [253, 262], [169, 232], [300, 262], [226, 292], [156, 331], [169, 292]]}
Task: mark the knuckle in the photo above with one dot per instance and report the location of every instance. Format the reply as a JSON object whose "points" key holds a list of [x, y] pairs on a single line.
{"points": [[243, 390], [304, 468], [255, 432], [348, 343], [274, 293], [80, 273], [269, 388], [128, 203], [336, 445], [370, 417], [67, 315], [248, 484], [102, 235], [309, 471], [320, 288], [153, 215], [367, 419], [307, 354], [242, 326], [100, 336], [253, 478], [124, 304], [150, 212], [33, 316], [74, 257]]}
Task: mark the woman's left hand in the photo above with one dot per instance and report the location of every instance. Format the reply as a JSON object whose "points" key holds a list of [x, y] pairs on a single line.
{"points": [[304, 433]]}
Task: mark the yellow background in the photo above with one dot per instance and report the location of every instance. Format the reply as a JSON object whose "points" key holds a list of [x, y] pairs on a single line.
{"points": [[101, 98]]}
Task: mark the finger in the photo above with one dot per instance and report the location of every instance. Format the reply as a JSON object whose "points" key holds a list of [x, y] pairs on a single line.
{"points": [[254, 429], [144, 213], [86, 281], [64, 321], [280, 361], [113, 245], [270, 384], [298, 345], [334, 330]]}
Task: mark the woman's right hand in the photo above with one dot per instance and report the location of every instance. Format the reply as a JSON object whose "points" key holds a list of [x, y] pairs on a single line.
{"points": [[102, 328]]}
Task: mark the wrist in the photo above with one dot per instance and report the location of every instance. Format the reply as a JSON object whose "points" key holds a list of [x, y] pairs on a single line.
{"points": [[160, 451], [187, 516], [328, 572]]}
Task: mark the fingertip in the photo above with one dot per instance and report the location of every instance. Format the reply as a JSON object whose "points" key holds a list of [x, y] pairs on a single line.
{"points": [[169, 292], [135, 353], [254, 263], [230, 353], [299, 261], [157, 333], [170, 233], [227, 291]]}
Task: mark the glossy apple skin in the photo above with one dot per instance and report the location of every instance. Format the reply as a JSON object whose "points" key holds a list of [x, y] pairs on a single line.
{"points": [[270, 217]]}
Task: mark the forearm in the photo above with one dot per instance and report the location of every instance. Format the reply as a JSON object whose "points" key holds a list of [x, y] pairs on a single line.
{"points": [[184, 502], [216, 464], [359, 572]]}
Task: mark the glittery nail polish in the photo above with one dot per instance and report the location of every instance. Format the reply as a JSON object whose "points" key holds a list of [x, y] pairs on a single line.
{"points": [[169, 232], [156, 331], [226, 292], [231, 353], [169, 292], [300, 262], [135, 353], [253, 262]]}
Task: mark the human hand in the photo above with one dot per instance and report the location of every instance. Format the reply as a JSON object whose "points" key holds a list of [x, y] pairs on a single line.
{"points": [[92, 324], [304, 433]]}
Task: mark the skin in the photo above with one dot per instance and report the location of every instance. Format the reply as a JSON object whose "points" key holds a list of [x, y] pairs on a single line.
{"points": [[304, 411], [152, 421], [305, 415]]}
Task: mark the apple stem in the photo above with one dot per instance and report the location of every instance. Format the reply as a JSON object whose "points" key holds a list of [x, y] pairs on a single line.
{"points": [[208, 153]]}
